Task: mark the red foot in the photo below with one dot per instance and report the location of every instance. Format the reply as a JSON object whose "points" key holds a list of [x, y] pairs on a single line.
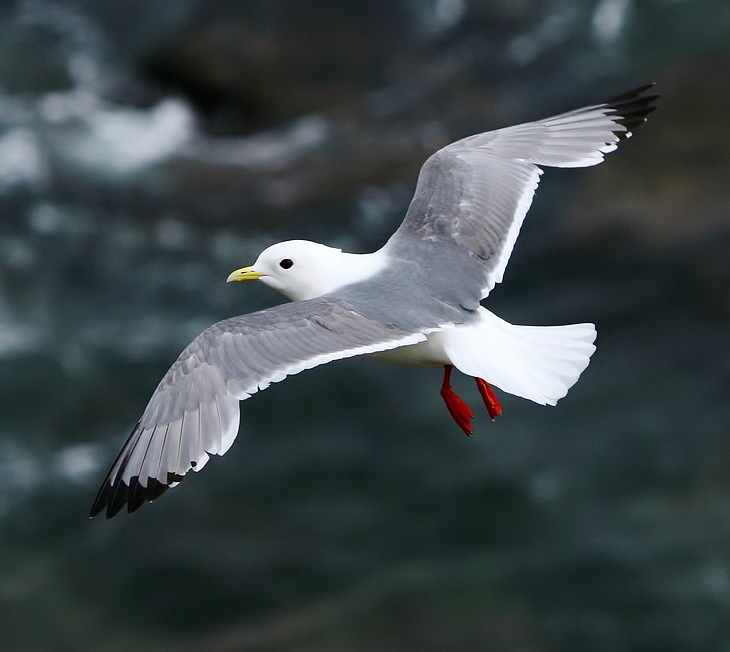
{"points": [[489, 397], [460, 411]]}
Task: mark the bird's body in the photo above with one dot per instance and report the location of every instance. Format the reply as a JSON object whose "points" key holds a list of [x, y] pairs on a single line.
{"points": [[415, 301]]}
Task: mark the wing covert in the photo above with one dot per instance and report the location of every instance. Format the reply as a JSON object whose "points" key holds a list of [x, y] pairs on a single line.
{"points": [[476, 192], [194, 411]]}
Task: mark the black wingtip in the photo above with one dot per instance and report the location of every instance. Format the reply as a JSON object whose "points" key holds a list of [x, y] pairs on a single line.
{"points": [[632, 108], [102, 498], [137, 495], [112, 497], [630, 95], [155, 489]]}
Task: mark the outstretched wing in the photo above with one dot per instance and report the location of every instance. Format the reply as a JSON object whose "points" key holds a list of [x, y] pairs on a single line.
{"points": [[476, 192], [194, 411]]}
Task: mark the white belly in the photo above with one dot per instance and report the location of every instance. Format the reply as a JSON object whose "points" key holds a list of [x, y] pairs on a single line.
{"points": [[424, 354]]}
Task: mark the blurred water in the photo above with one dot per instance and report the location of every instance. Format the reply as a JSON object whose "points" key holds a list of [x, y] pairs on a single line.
{"points": [[147, 150]]}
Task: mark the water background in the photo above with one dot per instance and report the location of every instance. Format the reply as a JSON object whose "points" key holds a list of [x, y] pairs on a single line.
{"points": [[148, 149]]}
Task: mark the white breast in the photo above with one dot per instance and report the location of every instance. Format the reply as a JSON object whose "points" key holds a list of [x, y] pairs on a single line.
{"points": [[424, 354]]}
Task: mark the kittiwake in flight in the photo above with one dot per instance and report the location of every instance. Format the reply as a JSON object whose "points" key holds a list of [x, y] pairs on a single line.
{"points": [[414, 301]]}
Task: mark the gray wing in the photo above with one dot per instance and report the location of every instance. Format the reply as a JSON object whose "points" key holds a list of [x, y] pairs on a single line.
{"points": [[476, 192], [194, 411]]}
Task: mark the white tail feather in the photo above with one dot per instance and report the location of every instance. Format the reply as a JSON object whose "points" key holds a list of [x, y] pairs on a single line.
{"points": [[539, 363]]}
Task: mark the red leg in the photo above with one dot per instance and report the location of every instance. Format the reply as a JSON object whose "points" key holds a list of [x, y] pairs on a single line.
{"points": [[459, 410], [489, 397]]}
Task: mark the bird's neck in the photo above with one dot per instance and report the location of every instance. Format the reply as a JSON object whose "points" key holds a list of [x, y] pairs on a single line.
{"points": [[359, 267], [344, 269]]}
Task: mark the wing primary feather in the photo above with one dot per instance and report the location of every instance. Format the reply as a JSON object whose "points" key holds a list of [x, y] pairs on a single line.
{"points": [[102, 498], [137, 495], [155, 489], [108, 487], [630, 95], [118, 498], [631, 108], [162, 456]]}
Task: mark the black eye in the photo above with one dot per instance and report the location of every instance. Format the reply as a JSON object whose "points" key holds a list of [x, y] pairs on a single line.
{"points": [[286, 263]]}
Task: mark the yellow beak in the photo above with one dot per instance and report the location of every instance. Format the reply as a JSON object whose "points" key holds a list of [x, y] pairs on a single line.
{"points": [[244, 274]]}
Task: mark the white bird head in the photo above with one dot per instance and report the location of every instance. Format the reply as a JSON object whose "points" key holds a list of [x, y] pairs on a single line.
{"points": [[301, 269]]}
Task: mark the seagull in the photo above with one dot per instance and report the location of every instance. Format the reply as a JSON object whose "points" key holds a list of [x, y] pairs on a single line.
{"points": [[415, 301]]}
